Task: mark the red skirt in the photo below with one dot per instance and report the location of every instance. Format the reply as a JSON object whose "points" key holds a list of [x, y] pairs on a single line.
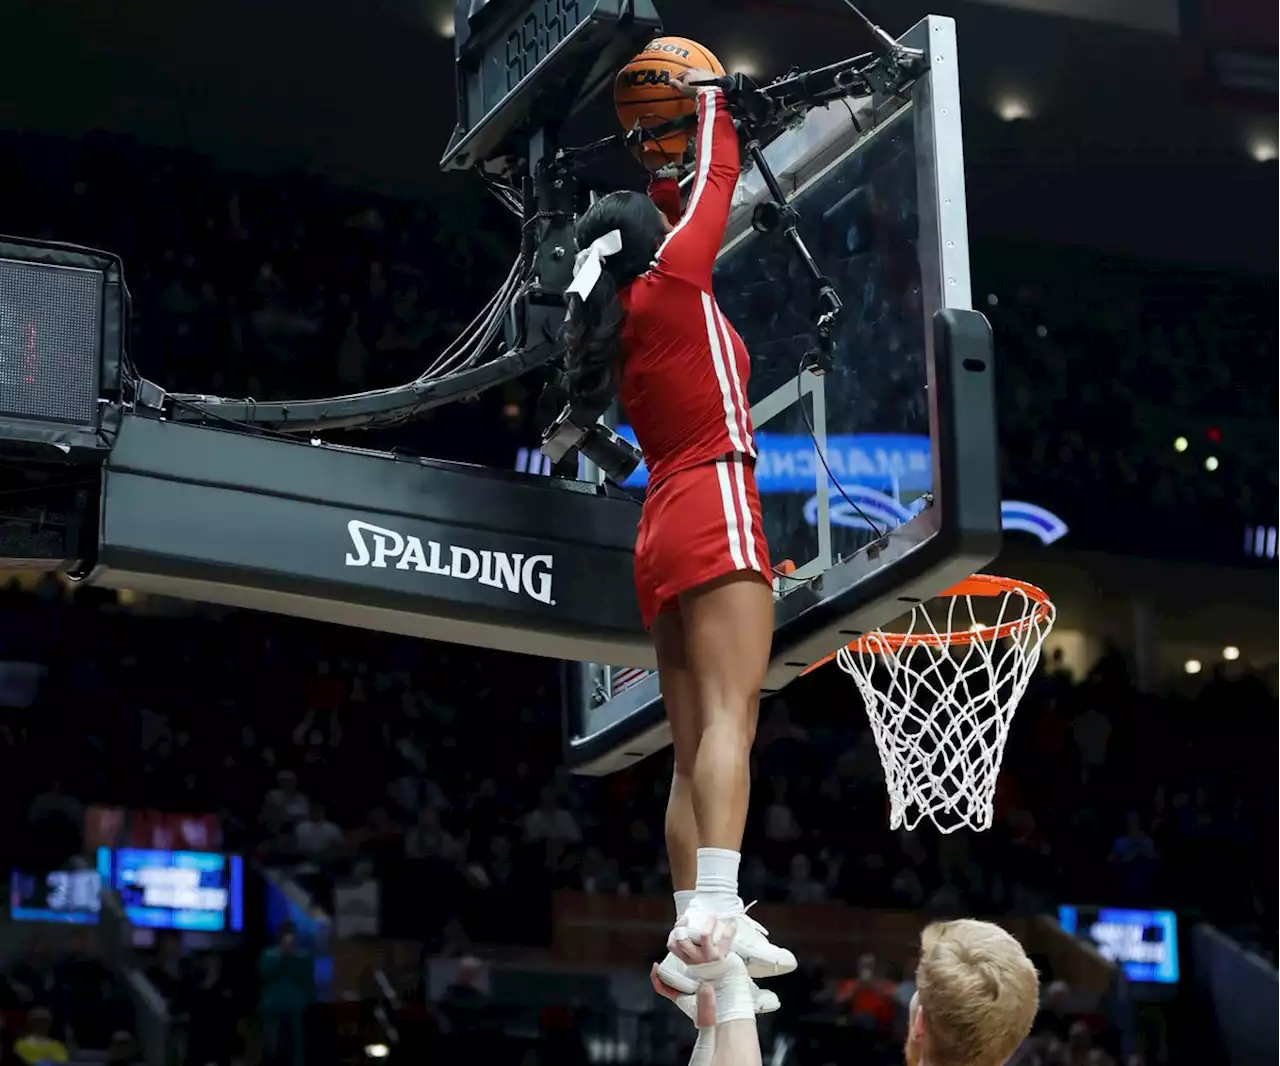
{"points": [[697, 526]]}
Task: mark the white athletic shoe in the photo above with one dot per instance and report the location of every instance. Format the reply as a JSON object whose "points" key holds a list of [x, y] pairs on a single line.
{"points": [[750, 941], [674, 973]]}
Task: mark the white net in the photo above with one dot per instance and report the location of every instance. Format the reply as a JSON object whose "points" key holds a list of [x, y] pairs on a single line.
{"points": [[941, 695]]}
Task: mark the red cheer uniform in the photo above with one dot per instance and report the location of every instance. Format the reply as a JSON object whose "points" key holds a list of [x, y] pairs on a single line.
{"points": [[684, 388]]}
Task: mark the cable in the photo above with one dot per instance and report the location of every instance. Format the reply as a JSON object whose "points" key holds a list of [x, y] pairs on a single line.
{"points": [[505, 194], [813, 436], [475, 338], [252, 427], [876, 31]]}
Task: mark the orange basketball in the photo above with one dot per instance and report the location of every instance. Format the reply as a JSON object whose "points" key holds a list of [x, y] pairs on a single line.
{"points": [[644, 93]]}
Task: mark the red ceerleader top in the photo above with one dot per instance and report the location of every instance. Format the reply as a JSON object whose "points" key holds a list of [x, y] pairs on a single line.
{"points": [[685, 369]]}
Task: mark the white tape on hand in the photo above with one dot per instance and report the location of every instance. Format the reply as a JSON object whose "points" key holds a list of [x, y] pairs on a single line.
{"points": [[589, 263]]}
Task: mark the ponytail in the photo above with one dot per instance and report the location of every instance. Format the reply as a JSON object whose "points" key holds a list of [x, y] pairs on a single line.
{"points": [[595, 317], [593, 338]]}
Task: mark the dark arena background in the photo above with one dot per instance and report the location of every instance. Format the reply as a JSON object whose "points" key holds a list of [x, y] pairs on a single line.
{"points": [[327, 727]]}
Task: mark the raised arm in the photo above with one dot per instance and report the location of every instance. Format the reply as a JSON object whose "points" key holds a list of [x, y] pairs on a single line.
{"points": [[690, 250]]}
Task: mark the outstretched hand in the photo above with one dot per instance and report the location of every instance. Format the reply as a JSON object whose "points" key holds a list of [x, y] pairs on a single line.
{"points": [[699, 1008]]}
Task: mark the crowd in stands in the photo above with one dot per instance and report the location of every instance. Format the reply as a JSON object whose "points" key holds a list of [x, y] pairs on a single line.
{"points": [[338, 753], [1104, 364]]}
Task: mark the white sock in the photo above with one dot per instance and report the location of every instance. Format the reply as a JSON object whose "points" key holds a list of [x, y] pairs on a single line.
{"points": [[683, 897], [717, 889]]}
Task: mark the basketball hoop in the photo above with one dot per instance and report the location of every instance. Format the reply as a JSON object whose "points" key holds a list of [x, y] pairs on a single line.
{"points": [[941, 695]]}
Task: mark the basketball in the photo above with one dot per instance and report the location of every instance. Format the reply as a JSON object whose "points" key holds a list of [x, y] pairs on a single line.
{"points": [[644, 93]]}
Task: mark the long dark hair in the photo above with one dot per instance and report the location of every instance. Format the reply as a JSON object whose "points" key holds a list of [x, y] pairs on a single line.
{"points": [[593, 327]]}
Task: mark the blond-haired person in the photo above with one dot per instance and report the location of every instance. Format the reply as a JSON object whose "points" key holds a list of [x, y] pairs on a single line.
{"points": [[976, 997]]}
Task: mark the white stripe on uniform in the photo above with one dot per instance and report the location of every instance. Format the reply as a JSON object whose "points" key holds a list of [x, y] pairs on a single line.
{"points": [[745, 507], [727, 401], [706, 132], [732, 358], [730, 516]]}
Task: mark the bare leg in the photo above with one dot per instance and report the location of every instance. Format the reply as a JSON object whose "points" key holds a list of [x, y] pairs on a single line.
{"points": [[728, 627], [679, 695], [728, 634]]}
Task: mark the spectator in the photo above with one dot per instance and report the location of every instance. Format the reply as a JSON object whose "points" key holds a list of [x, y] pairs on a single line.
{"points": [[324, 695], [124, 1050], [1055, 1017], [868, 998], [55, 826], [212, 1012], [287, 989], [316, 837], [32, 978], [284, 806], [379, 838], [780, 825], [38, 1046], [801, 886], [551, 821], [429, 839], [1135, 859], [1079, 1044], [168, 970], [86, 989], [1092, 732], [465, 1002], [599, 874]]}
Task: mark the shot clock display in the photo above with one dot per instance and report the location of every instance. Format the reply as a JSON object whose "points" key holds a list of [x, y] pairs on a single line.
{"points": [[546, 23], [513, 55]]}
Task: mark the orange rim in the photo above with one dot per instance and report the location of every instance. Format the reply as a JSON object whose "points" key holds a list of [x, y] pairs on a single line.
{"points": [[986, 585]]}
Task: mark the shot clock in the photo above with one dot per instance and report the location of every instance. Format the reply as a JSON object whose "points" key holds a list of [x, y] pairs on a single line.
{"points": [[522, 64], [545, 25]]}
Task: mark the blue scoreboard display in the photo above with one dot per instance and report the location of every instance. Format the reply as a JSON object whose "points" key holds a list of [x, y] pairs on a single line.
{"points": [[193, 890], [1143, 943], [65, 896]]}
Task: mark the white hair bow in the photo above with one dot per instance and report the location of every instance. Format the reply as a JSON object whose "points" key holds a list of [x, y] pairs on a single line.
{"points": [[588, 266]]}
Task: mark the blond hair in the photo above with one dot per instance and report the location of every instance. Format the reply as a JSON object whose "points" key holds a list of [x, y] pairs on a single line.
{"points": [[978, 991]]}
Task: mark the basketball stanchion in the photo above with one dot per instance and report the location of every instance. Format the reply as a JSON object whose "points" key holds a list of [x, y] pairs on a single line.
{"points": [[941, 693]]}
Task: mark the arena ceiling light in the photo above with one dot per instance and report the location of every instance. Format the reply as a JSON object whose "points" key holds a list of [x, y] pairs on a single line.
{"points": [[1211, 464], [1180, 444], [1263, 149], [1192, 666], [744, 63], [1013, 107], [1231, 653]]}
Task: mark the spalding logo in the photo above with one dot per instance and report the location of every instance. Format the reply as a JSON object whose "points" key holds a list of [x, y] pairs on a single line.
{"points": [[512, 571], [668, 49]]}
